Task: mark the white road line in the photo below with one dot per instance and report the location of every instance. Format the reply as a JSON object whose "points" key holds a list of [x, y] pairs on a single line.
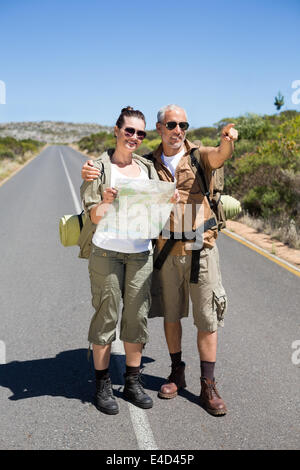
{"points": [[142, 428], [73, 192], [2, 352], [139, 419]]}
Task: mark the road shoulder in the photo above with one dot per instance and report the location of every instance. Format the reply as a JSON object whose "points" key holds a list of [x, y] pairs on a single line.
{"points": [[20, 166], [265, 242]]}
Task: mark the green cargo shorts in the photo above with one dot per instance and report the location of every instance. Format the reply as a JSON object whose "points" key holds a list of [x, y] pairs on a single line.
{"points": [[171, 291], [114, 276]]}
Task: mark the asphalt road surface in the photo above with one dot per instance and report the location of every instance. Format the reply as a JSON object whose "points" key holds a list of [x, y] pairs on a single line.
{"points": [[46, 382]]}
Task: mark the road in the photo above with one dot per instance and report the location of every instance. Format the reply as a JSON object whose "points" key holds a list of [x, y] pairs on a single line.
{"points": [[46, 382]]}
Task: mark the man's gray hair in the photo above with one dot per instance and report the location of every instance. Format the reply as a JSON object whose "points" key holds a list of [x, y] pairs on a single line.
{"points": [[162, 111]]}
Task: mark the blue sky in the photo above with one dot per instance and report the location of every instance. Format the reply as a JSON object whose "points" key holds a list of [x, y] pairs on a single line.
{"points": [[82, 61]]}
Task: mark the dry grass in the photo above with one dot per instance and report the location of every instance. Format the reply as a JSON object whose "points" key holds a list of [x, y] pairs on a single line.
{"points": [[285, 231], [9, 166]]}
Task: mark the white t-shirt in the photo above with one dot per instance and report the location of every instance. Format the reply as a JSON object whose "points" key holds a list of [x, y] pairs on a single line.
{"points": [[106, 240], [172, 162]]}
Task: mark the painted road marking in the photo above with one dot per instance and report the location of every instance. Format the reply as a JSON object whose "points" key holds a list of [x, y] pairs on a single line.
{"points": [[139, 419], [261, 251], [2, 352], [73, 192]]}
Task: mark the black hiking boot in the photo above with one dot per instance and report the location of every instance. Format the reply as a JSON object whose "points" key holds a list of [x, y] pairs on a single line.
{"points": [[104, 399], [134, 392]]}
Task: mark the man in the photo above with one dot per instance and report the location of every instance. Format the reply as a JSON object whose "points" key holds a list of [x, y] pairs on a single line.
{"points": [[182, 269]]}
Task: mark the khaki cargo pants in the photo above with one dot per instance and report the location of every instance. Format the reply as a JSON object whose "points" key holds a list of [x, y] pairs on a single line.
{"points": [[114, 276], [171, 290]]}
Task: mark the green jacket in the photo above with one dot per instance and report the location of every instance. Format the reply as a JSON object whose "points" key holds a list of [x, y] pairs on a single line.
{"points": [[91, 193]]}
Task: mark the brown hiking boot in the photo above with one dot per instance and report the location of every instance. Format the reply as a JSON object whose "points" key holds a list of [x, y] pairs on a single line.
{"points": [[175, 382], [210, 399]]}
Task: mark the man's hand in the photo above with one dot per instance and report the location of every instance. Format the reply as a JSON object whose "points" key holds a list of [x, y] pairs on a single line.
{"points": [[217, 155], [229, 134], [89, 172]]}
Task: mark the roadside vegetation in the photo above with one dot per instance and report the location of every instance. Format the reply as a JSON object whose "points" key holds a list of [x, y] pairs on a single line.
{"points": [[14, 153], [264, 173]]}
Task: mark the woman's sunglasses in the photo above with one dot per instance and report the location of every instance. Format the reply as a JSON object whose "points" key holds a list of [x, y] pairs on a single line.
{"points": [[130, 131], [172, 124]]}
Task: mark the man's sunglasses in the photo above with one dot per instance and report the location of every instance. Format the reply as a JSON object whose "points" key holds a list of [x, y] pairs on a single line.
{"points": [[172, 124], [130, 131]]}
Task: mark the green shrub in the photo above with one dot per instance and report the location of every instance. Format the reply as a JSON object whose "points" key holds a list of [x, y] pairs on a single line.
{"points": [[97, 143], [151, 144], [143, 149], [16, 149], [249, 126], [151, 135], [208, 142], [243, 146], [11, 144], [7, 154], [202, 132]]}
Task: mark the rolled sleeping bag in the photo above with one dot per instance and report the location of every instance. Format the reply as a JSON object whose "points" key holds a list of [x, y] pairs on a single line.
{"points": [[70, 227], [231, 206]]}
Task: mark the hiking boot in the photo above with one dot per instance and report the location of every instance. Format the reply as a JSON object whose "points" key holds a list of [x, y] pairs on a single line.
{"points": [[134, 392], [175, 382], [210, 398], [104, 399]]}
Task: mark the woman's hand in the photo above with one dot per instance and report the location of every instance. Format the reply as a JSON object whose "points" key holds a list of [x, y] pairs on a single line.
{"points": [[89, 172], [109, 195], [176, 198], [97, 212]]}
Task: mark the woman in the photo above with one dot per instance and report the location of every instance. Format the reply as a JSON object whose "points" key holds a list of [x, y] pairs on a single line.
{"points": [[120, 268]]}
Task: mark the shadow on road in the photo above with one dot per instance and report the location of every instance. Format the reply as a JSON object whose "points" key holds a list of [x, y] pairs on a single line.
{"points": [[69, 375]]}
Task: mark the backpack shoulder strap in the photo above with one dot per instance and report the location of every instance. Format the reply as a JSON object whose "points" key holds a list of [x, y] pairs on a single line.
{"points": [[197, 168]]}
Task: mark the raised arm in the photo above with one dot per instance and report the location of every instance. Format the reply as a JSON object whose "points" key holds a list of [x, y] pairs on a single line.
{"points": [[218, 155]]}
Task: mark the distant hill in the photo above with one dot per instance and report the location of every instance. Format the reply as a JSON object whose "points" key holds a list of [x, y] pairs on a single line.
{"points": [[51, 132]]}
